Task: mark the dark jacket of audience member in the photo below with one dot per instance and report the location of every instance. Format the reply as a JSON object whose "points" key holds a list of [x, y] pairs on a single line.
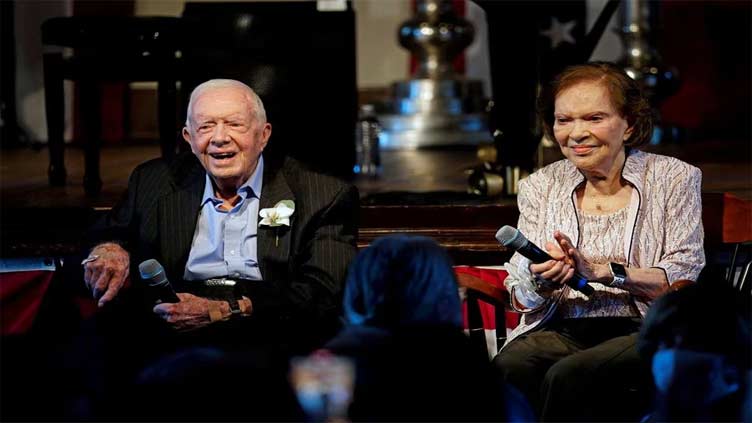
{"points": [[404, 331], [698, 340], [208, 384]]}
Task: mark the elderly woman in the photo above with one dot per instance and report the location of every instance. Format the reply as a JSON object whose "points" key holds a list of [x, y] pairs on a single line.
{"points": [[628, 221]]}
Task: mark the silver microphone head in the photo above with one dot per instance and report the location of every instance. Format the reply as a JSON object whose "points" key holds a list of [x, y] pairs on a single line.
{"points": [[151, 271], [510, 237]]}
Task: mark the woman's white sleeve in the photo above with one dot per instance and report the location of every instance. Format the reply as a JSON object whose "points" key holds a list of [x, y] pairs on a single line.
{"points": [[521, 284]]}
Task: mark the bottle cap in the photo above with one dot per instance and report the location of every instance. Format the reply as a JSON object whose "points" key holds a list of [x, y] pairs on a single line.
{"points": [[367, 109]]}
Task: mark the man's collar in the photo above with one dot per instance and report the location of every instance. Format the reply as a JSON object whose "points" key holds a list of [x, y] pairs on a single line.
{"points": [[256, 180], [251, 187]]}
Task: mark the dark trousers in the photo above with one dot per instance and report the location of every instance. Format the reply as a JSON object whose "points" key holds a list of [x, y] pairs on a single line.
{"points": [[580, 370]]}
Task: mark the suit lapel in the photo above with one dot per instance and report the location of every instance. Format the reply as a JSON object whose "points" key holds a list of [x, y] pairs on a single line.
{"points": [[273, 244], [178, 214]]}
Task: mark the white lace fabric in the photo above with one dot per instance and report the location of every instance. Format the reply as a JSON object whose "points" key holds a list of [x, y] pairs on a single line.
{"points": [[601, 238]]}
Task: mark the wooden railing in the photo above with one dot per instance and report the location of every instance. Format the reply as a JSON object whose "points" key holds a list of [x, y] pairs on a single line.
{"points": [[466, 231]]}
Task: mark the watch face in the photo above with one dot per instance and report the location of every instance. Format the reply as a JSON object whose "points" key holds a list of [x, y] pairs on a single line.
{"points": [[619, 272], [234, 306]]}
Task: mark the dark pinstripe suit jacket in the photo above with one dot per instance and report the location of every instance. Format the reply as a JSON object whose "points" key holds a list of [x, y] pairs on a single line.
{"points": [[303, 273]]}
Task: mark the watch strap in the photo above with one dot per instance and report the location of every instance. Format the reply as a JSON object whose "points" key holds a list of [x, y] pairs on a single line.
{"points": [[619, 274], [234, 306]]}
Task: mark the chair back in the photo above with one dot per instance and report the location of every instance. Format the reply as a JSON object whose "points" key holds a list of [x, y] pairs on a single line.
{"points": [[728, 240], [738, 270], [485, 308]]}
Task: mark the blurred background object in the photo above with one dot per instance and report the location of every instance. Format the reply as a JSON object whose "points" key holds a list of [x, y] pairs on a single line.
{"points": [[367, 149], [298, 57], [643, 63], [106, 54], [529, 43], [436, 106], [515, 45]]}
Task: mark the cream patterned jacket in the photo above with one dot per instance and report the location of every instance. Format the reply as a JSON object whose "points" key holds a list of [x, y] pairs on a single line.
{"points": [[663, 230]]}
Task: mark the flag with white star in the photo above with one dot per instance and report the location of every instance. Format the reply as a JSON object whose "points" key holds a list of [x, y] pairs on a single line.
{"points": [[529, 42], [561, 29]]}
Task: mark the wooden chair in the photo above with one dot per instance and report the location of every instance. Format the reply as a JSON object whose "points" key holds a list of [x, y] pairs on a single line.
{"points": [[486, 306], [728, 240], [738, 271]]}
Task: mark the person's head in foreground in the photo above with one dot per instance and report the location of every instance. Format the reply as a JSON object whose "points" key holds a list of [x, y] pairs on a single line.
{"points": [[698, 341], [402, 280]]}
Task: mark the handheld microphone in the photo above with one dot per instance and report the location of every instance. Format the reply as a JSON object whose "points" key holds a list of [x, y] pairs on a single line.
{"points": [[153, 273], [511, 237]]}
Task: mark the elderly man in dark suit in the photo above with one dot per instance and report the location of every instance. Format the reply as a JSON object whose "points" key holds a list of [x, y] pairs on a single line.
{"points": [[280, 235]]}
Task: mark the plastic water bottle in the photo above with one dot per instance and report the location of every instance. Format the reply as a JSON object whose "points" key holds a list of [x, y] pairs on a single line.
{"points": [[367, 157]]}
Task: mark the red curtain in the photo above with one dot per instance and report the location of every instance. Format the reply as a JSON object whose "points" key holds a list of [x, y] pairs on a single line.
{"points": [[21, 295]]}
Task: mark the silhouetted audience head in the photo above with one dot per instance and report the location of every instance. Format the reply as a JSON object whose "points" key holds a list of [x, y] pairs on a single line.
{"points": [[698, 340], [402, 280], [404, 334]]}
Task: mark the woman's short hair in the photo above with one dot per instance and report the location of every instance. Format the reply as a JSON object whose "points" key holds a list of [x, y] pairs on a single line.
{"points": [[625, 93]]}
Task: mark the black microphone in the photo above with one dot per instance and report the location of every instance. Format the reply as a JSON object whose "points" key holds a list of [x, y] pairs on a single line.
{"points": [[511, 237], [153, 273]]}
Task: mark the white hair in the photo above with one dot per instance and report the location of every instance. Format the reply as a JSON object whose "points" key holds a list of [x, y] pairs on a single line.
{"points": [[258, 110]]}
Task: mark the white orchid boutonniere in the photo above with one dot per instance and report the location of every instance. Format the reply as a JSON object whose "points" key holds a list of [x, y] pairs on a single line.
{"points": [[279, 215]]}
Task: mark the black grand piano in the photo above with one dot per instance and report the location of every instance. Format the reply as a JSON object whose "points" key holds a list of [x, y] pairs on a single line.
{"points": [[300, 60]]}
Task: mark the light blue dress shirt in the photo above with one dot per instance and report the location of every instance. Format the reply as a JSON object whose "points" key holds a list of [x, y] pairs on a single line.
{"points": [[224, 243]]}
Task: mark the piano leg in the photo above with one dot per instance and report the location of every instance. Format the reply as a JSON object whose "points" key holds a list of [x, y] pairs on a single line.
{"points": [[55, 110]]}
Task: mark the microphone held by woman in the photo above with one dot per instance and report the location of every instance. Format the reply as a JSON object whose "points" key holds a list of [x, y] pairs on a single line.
{"points": [[513, 238]]}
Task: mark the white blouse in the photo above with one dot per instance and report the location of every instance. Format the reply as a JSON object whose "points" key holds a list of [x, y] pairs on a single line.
{"points": [[601, 237]]}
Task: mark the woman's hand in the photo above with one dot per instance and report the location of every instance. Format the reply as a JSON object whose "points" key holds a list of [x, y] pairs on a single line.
{"points": [[592, 272], [190, 313], [558, 271]]}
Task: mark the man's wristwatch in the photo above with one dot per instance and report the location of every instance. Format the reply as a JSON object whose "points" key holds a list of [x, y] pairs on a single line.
{"points": [[619, 274], [234, 307]]}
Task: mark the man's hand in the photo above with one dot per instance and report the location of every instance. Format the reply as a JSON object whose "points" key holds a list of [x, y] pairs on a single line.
{"points": [[190, 313], [105, 275]]}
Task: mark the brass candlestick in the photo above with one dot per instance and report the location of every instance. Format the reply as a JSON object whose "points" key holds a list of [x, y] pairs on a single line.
{"points": [[436, 107]]}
